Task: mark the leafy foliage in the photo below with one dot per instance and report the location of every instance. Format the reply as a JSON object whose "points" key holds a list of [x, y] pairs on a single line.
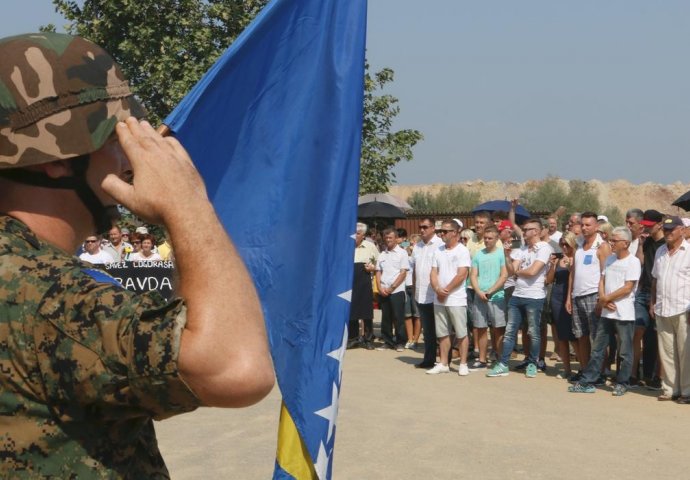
{"points": [[550, 193], [451, 198], [164, 47], [381, 148]]}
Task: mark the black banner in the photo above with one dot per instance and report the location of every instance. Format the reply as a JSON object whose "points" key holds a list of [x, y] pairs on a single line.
{"points": [[144, 275]]}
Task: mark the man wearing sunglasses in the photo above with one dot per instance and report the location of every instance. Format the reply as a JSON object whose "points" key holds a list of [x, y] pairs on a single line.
{"points": [[529, 265], [449, 271], [93, 252], [422, 258]]}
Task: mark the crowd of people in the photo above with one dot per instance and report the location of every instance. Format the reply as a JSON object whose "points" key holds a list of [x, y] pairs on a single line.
{"points": [[616, 297], [123, 246]]}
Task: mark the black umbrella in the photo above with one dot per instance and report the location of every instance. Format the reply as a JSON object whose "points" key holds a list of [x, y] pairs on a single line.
{"points": [[379, 210], [521, 213], [683, 201]]}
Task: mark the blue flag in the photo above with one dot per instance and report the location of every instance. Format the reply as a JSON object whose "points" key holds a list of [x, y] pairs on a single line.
{"points": [[275, 130]]}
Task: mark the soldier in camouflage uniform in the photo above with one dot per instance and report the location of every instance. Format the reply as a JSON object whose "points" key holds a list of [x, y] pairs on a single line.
{"points": [[85, 365]]}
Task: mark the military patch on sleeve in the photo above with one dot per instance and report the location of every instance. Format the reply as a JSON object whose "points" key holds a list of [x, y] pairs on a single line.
{"points": [[101, 277]]}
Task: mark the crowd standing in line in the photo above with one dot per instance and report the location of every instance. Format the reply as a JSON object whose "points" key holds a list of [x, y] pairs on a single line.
{"points": [[617, 297]]}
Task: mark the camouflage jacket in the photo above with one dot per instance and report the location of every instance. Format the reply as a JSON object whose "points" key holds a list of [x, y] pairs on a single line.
{"points": [[85, 366]]}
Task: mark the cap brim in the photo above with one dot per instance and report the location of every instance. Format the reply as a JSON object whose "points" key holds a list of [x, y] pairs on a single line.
{"points": [[69, 133]]}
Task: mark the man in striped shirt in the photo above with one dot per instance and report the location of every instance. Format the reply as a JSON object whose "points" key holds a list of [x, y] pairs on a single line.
{"points": [[669, 303]]}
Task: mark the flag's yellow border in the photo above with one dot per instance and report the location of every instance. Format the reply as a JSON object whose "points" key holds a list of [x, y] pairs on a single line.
{"points": [[292, 455]]}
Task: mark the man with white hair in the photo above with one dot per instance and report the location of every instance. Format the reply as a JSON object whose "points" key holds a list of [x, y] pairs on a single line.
{"points": [[670, 302], [362, 304], [616, 305]]}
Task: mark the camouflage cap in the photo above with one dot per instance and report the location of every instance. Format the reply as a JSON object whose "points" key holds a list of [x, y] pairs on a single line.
{"points": [[60, 97]]}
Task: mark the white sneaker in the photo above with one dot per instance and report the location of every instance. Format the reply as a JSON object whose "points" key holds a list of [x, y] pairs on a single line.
{"points": [[438, 368], [463, 370]]}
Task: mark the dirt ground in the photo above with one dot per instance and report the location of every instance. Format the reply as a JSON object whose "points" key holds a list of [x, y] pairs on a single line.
{"points": [[396, 422]]}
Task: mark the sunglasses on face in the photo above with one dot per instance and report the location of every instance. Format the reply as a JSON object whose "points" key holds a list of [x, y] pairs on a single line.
{"points": [[91, 241], [424, 227]]}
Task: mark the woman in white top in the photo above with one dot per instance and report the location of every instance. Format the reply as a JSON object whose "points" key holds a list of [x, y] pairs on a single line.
{"points": [[146, 252]]}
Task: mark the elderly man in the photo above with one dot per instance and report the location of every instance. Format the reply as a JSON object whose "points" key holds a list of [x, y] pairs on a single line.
{"points": [[87, 365], [422, 259], [362, 305], [671, 302], [391, 270], [121, 248], [451, 265], [616, 305], [575, 224]]}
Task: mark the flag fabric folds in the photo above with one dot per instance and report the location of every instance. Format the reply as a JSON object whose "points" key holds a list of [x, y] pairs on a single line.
{"points": [[275, 130]]}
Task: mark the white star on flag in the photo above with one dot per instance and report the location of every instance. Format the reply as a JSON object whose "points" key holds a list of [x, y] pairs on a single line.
{"points": [[339, 354], [330, 413], [347, 296], [321, 465]]}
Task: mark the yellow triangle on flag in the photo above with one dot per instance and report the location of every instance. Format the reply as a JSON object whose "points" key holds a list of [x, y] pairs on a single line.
{"points": [[292, 455]]}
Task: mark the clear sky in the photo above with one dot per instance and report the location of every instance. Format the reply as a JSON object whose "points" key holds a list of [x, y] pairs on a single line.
{"points": [[515, 90]]}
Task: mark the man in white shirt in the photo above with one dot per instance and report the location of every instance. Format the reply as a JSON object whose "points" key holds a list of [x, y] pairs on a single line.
{"points": [[583, 286], [451, 265], [669, 304], [422, 258], [616, 305], [529, 264], [391, 270], [93, 253], [554, 233], [361, 305]]}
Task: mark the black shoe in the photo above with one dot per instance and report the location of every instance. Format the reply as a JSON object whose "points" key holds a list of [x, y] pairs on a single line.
{"points": [[369, 345], [575, 378], [541, 365], [354, 343], [424, 365], [600, 382], [654, 384], [523, 365]]}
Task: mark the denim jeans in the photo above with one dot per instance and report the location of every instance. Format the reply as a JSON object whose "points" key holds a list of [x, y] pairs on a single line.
{"points": [[605, 327], [520, 309]]}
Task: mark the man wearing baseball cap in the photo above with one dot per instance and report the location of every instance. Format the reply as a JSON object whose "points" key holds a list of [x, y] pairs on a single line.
{"points": [[87, 365], [671, 302], [645, 342]]}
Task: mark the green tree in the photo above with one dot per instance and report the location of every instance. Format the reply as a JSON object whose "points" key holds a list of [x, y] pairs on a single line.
{"points": [[382, 148], [582, 197], [164, 47], [450, 199], [548, 195]]}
